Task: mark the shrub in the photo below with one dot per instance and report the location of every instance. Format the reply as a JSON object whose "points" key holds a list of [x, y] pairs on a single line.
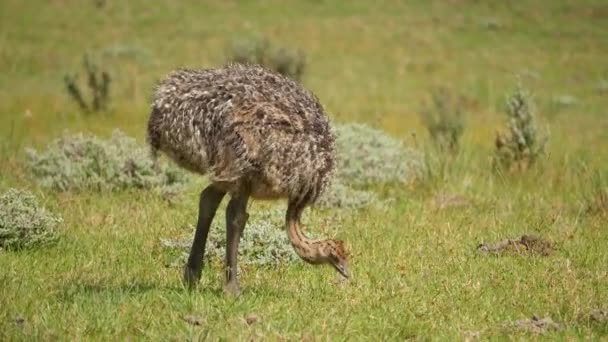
{"points": [[598, 203], [444, 120], [368, 156], [264, 241], [602, 86], [522, 145], [11, 141], [342, 196], [287, 62], [98, 82], [23, 222], [76, 162], [594, 190]]}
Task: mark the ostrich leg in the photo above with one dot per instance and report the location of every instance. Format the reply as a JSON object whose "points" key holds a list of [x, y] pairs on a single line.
{"points": [[209, 201], [236, 218]]}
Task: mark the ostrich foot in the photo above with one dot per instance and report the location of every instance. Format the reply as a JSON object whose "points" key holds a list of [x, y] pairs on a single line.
{"points": [[232, 289], [191, 277]]}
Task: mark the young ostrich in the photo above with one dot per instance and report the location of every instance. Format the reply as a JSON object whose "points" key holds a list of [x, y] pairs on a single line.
{"points": [[256, 134]]}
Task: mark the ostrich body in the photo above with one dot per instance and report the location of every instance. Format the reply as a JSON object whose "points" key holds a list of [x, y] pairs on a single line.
{"points": [[256, 134]]}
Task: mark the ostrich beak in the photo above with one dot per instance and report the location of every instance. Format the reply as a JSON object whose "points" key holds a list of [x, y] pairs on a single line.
{"points": [[342, 268]]}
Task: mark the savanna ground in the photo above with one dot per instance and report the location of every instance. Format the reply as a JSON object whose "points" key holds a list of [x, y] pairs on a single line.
{"points": [[416, 270]]}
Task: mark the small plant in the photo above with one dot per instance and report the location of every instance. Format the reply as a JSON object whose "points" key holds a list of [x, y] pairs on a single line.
{"points": [[595, 193], [99, 87], [76, 162], [260, 51], [10, 142], [368, 156], [602, 86], [444, 120], [490, 23], [521, 146], [23, 222], [598, 204]]}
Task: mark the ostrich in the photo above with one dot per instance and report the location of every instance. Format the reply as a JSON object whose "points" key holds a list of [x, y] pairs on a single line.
{"points": [[256, 134]]}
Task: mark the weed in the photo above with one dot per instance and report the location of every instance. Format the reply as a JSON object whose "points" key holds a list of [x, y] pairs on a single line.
{"points": [[595, 193], [10, 143], [490, 23], [99, 86], [126, 51], [23, 222], [602, 86], [564, 100], [290, 63], [444, 120], [80, 161], [522, 145]]}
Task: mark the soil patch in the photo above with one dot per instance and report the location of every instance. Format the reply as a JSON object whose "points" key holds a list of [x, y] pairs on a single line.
{"points": [[536, 325], [525, 244]]}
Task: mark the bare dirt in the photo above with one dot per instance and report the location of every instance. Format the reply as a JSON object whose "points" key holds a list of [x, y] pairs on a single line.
{"points": [[536, 325], [529, 244]]}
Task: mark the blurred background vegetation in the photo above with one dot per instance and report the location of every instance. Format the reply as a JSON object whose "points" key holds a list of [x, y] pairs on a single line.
{"points": [[375, 63]]}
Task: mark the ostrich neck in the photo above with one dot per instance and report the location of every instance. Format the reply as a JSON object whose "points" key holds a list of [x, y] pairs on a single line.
{"points": [[307, 249]]}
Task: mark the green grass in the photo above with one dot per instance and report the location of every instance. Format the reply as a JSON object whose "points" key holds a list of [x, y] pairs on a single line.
{"points": [[415, 269]]}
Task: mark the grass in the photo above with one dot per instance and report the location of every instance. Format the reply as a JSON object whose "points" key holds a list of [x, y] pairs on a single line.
{"points": [[416, 273]]}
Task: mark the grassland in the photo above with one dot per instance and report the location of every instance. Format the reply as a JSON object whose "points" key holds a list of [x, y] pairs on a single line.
{"points": [[416, 270]]}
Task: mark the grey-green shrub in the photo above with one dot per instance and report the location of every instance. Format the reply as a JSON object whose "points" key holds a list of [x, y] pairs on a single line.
{"points": [[259, 50], [342, 196], [369, 156], [23, 222], [264, 241], [444, 120], [522, 145], [83, 161]]}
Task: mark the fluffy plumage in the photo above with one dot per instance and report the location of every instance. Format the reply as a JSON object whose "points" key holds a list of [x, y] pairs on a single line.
{"points": [[245, 122], [256, 134]]}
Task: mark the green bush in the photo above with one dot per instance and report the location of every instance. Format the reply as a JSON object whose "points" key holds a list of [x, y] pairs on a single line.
{"points": [[23, 222], [257, 50], [444, 120], [342, 196], [264, 241], [594, 190], [522, 145], [369, 156], [81, 161]]}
